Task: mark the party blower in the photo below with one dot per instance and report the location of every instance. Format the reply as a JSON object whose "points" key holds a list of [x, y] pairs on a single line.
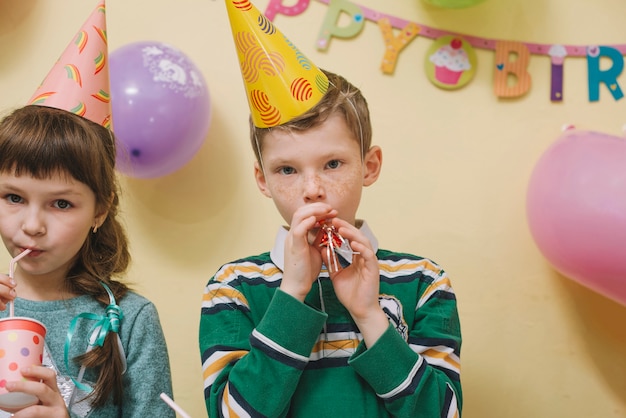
{"points": [[21, 345]]}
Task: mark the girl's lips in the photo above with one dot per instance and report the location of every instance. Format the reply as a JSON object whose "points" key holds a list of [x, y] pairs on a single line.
{"points": [[33, 252]]}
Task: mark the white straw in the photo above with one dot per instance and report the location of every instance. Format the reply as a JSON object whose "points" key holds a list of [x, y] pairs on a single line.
{"points": [[12, 271], [174, 406]]}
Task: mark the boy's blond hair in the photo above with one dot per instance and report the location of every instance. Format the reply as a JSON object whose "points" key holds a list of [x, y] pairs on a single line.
{"points": [[342, 97]]}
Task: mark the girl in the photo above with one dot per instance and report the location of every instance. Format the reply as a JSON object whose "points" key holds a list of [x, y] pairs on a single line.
{"points": [[105, 352]]}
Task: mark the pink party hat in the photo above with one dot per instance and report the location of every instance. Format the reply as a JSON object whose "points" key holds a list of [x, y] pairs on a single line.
{"points": [[79, 80], [281, 83]]}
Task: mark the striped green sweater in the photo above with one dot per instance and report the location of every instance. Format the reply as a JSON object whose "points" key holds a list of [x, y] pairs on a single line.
{"points": [[266, 354]]}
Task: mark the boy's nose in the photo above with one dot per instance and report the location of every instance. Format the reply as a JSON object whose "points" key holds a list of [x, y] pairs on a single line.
{"points": [[313, 189]]}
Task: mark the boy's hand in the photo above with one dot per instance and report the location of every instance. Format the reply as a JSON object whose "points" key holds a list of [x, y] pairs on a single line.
{"points": [[51, 404], [302, 256], [7, 291], [357, 285]]}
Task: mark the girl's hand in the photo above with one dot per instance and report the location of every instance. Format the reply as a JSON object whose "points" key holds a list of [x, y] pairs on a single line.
{"points": [[302, 256], [7, 291], [51, 404], [358, 285]]}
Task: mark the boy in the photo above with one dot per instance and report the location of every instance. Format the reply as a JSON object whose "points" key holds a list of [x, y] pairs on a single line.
{"points": [[326, 324]]}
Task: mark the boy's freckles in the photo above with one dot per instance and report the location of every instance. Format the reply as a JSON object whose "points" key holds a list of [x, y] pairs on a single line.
{"points": [[322, 164]]}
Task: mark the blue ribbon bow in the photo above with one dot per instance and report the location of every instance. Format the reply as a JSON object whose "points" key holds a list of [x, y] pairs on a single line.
{"points": [[110, 322]]}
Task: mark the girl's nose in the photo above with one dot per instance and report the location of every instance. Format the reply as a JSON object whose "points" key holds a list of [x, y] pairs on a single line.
{"points": [[33, 223]]}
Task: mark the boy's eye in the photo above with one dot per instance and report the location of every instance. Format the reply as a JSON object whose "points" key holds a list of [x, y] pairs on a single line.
{"points": [[286, 170], [62, 204], [13, 198], [333, 164]]}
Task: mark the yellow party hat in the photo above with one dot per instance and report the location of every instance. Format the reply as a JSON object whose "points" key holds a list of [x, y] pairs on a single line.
{"points": [[281, 83], [79, 80]]}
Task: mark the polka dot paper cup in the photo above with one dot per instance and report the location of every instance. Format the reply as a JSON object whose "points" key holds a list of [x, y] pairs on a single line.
{"points": [[21, 345]]}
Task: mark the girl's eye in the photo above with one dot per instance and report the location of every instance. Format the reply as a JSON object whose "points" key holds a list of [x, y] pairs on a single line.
{"points": [[286, 170], [333, 164], [13, 198], [62, 204]]}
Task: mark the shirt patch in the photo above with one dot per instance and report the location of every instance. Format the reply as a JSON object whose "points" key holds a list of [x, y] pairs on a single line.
{"points": [[393, 309]]}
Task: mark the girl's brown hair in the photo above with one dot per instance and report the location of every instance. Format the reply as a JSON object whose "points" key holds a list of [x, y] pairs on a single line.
{"points": [[42, 141]]}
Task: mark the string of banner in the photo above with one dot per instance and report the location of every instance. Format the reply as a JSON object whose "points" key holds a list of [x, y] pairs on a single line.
{"points": [[452, 59]]}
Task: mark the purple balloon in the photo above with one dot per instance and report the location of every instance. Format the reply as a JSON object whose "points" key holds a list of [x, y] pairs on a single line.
{"points": [[161, 108]]}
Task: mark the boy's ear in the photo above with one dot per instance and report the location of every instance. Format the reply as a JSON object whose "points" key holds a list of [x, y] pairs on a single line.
{"points": [[372, 163], [261, 183]]}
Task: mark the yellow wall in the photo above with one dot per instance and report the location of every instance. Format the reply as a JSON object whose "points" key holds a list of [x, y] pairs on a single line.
{"points": [[456, 167]]}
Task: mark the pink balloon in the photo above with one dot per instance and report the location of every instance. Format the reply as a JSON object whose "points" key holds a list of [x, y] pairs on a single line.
{"points": [[161, 108], [576, 208]]}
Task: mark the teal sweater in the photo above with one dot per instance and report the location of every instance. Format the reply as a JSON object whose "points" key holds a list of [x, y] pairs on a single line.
{"points": [[148, 368], [266, 354]]}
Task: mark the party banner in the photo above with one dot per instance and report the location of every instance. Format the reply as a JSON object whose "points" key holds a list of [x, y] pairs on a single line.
{"points": [[451, 60]]}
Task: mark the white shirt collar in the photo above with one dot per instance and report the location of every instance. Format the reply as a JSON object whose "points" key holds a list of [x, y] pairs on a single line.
{"points": [[278, 252]]}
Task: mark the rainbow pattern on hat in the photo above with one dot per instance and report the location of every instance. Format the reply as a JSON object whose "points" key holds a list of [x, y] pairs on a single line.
{"points": [[41, 98], [79, 80], [102, 33], [103, 96], [281, 83], [100, 62], [80, 109], [106, 122], [81, 40], [73, 74]]}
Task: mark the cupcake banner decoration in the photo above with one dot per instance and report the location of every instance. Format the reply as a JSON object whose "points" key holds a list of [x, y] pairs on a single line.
{"points": [[79, 80], [451, 61]]}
